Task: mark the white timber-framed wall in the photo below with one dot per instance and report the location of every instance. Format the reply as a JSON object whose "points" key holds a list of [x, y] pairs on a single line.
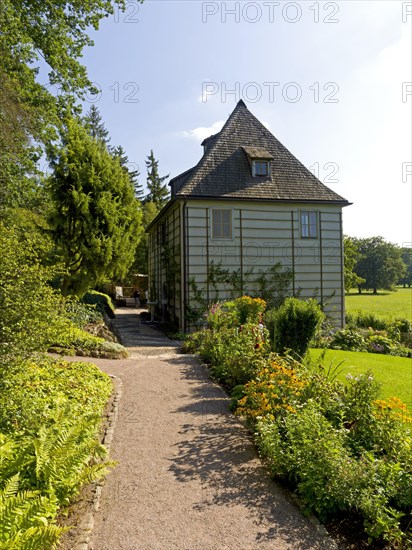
{"points": [[263, 233]]}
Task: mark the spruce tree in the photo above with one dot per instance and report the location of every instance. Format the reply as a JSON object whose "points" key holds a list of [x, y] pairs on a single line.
{"points": [[119, 153], [95, 126], [158, 192]]}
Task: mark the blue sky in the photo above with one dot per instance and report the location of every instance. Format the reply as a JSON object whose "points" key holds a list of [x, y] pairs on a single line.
{"points": [[329, 79]]}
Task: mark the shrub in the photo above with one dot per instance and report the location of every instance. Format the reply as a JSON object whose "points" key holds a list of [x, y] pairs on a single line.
{"points": [[82, 314], [274, 391], [348, 340], [234, 353], [50, 415], [250, 310], [296, 323], [29, 307], [71, 340], [102, 301]]}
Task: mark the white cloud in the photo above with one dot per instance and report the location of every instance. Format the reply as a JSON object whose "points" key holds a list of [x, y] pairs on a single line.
{"points": [[202, 132]]}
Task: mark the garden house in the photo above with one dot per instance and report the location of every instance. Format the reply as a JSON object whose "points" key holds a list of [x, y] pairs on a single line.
{"points": [[248, 211]]}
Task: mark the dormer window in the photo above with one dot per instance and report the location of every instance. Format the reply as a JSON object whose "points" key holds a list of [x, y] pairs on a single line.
{"points": [[260, 168], [259, 160]]}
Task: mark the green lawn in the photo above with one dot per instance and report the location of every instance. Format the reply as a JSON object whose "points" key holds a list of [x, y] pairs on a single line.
{"points": [[384, 304], [394, 373]]}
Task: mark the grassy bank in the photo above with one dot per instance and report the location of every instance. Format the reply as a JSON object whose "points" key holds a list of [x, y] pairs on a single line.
{"points": [[394, 373], [384, 304]]}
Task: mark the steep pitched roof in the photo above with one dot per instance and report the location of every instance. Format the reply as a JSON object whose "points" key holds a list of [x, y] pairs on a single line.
{"points": [[224, 170]]}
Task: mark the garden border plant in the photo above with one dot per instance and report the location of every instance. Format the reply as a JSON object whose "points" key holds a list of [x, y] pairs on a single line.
{"points": [[341, 448]]}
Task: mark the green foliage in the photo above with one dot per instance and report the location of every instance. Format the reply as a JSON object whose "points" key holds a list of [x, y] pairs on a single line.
{"points": [[29, 308], [62, 456], [120, 154], [296, 323], [96, 221], [234, 353], [102, 301], [56, 34], [81, 313], [236, 312], [380, 263], [373, 341], [92, 121], [351, 257], [50, 414], [368, 319], [158, 192], [343, 453], [32, 395], [25, 517], [348, 339], [406, 280]]}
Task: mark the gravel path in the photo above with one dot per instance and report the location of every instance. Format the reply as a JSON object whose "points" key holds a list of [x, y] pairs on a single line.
{"points": [[188, 476]]}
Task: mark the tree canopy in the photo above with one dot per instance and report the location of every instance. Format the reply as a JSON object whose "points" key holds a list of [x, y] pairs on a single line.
{"points": [[95, 221], [380, 264], [351, 257]]}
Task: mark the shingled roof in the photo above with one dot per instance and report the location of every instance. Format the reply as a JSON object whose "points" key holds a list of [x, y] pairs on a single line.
{"points": [[224, 170]]}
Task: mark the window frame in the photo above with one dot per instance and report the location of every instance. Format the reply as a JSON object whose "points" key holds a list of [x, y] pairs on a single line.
{"points": [[220, 236], [307, 226]]}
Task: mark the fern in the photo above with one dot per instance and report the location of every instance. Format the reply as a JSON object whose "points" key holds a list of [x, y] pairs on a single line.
{"points": [[25, 518], [69, 458]]}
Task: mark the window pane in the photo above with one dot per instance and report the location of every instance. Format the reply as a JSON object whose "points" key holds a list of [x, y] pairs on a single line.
{"points": [[225, 216], [221, 223], [261, 168], [309, 224]]}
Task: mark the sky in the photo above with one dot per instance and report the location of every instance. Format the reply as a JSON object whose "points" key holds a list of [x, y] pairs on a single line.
{"points": [[331, 80]]}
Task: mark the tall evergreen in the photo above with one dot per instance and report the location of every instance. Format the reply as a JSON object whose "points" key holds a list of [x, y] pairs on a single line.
{"points": [[119, 153], [95, 126], [158, 192], [96, 220]]}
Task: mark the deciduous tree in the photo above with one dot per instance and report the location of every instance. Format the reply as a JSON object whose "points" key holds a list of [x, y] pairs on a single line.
{"points": [[351, 257], [380, 264]]}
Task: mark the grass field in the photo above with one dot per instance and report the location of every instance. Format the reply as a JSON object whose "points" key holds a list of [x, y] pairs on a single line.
{"points": [[394, 373], [384, 304]]}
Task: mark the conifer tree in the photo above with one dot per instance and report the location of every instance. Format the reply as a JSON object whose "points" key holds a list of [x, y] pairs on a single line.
{"points": [[95, 126], [158, 192], [119, 153], [96, 219]]}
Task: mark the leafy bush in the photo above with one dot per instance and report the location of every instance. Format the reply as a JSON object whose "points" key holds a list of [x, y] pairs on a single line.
{"points": [[296, 323], [29, 307], [50, 415], [367, 319], [234, 353], [102, 301], [82, 314], [236, 312], [372, 341], [343, 452], [348, 340], [275, 390], [32, 395], [71, 340]]}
